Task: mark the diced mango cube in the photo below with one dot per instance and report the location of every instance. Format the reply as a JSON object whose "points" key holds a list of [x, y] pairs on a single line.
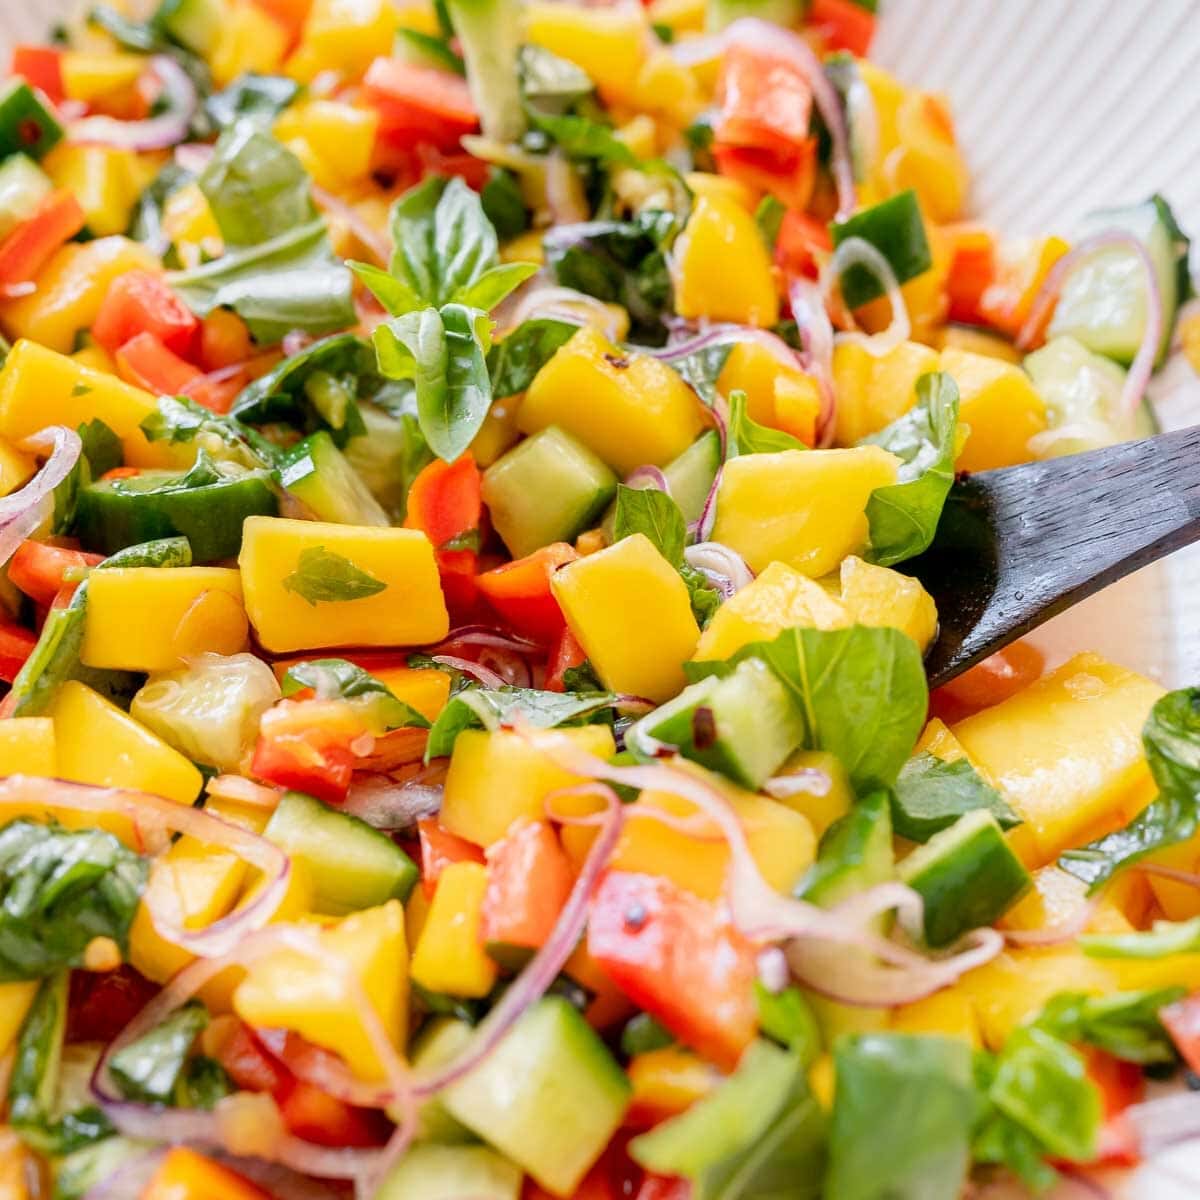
{"points": [[872, 391], [1066, 752], [151, 619], [822, 793], [91, 77], [722, 270], [806, 508], [978, 341], [309, 584], [496, 778], [608, 43], [881, 597], [249, 41], [98, 743], [16, 467], [345, 36], [106, 180], [780, 598], [778, 394], [1179, 901], [628, 408], [1000, 404], [340, 136], [16, 999], [705, 183], [1055, 898], [27, 747], [638, 648], [450, 957], [292, 990], [189, 222], [948, 1013]]}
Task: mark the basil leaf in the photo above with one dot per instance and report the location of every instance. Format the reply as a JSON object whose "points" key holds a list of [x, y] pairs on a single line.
{"points": [[503, 203], [655, 514], [396, 296], [903, 516], [1171, 738], [930, 795], [477, 708], [788, 1018], [202, 1084], [702, 368], [261, 97], [428, 49], [149, 1069], [335, 678], [580, 137], [550, 84], [323, 577], [1162, 940], [178, 420], [494, 284], [748, 437], [1125, 1024], [60, 889], [703, 597], [516, 359], [769, 217], [101, 447]]}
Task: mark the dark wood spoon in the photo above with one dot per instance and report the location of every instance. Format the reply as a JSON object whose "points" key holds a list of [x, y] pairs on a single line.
{"points": [[1016, 546]]}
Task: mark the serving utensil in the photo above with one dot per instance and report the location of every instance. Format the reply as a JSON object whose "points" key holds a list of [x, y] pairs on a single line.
{"points": [[1018, 545]]}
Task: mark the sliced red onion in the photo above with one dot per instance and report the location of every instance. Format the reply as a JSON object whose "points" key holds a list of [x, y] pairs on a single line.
{"points": [[724, 568], [378, 245], [243, 791], [807, 300], [129, 1180], [1165, 1121], [692, 51], [193, 157], [295, 341], [510, 666], [723, 333], [773, 971], [480, 674], [1055, 935], [1188, 878], [387, 804], [155, 133], [22, 511], [808, 781], [773, 40], [858, 252], [648, 477], [1142, 368], [486, 635], [564, 304], [564, 197]]}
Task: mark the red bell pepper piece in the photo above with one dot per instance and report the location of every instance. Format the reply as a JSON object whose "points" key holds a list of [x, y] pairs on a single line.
{"points": [[101, 1004], [664, 1187], [520, 592], [40, 67], [567, 653], [1182, 1021], [307, 745], [843, 25], [997, 677], [186, 1175], [440, 848], [146, 363], [529, 880], [247, 1062], [141, 302], [39, 569], [316, 1116], [16, 645], [446, 504], [25, 250], [801, 239], [680, 959], [972, 271], [418, 105]]}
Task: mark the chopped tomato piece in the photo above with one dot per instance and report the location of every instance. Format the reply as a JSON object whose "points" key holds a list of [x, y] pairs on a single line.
{"points": [[664, 1187], [789, 177], [679, 958], [972, 270], [418, 105], [445, 502], [247, 1062], [529, 880], [843, 25], [145, 362], [141, 302], [802, 238], [1182, 1021], [316, 1116], [440, 848], [665, 1083], [567, 653], [40, 67], [40, 570], [186, 1175], [308, 745], [100, 1004], [520, 592], [24, 251], [16, 645], [999, 676]]}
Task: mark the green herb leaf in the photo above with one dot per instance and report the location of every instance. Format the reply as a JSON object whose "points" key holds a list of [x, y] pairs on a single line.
{"points": [[788, 1018], [642, 1033], [516, 359], [1125, 1024], [702, 368], [930, 795], [323, 577], [494, 284], [703, 597], [101, 447], [179, 420], [748, 437], [769, 216], [430, 49], [1162, 940], [550, 84], [503, 203], [335, 678], [258, 97], [150, 1068], [654, 513], [60, 889], [202, 1084], [903, 516], [580, 137]]}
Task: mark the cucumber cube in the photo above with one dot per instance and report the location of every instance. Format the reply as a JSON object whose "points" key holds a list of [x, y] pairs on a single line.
{"points": [[316, 472], [23, 186], [432, 1172]]}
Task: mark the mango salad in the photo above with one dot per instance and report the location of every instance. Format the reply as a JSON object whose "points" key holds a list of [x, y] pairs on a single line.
{"points": [[464, 732]]}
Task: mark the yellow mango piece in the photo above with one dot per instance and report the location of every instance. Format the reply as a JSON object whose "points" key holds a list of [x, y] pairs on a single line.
{"points": [[340, 136], [496, 778], [778, 394], [416, 913], [705, 183], [669, 90], [719, 234], [96, 357], [291, 990], [639, 647], [91, 77], [98, 743], [638, 409], [1066, 752], [27, 747], [1000, 404], [948, 1013], [249, 41], [978, 341], [151, 619], [780, 598], [16, 999], [105, 180], [1178, 901], [669, 1080], [822, 1080], [927, 158], [450, 956], [681, 16], [70, 289], [827, 795], [498, 432], [806, 508], [1054, 899], [343, 35], [189, 222], [426, 691], [525, 247], [873, 391], [282, 559], [881, 597], [16, 467], [608, 43]]}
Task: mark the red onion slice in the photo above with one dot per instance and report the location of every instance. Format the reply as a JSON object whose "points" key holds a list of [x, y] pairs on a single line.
{"points": [[22, 511], [156, 133], [808, 781], [387, 804], [1165, 1121], [485, 635], [724, 568], [857, 252], [648, 477], [1142, 368], [1055, 935], [480, 674], [807, 300]]}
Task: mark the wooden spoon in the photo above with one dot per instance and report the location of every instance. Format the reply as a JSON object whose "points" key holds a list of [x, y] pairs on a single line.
{"points": [[1017, 546]]}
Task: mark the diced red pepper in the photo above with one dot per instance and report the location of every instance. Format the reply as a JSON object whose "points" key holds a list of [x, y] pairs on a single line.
{"points": [[101, 1004], [247, 1062], [40, 67], [520, 592], [316, 1116], [788, 177], [216, 392], [843, 25], [16, 645], [418, 105], [802, 238], [999, 676], [445, 502], [972, 271], [25, 250], [146, 363], [567, 653], [456, 569], [186, 1175], [680, 959], [664, 1187], [440, 848], [141, 302], [306, 745], [529, 880], [1182, 1021], [39, 569]]}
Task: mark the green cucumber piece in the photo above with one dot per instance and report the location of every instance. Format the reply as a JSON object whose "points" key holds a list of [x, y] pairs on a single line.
{"points": [[353, 866], [896, 229], [23, 186], [113, 514], [438, 1043], [489, 33], [549, 488], [967, 875], [855, 854], [743, 725], [1103, 300], [316, 472], [690, 476], [571, 1097], [719, 13], [431, 1172], [27, 123], [195, 24]]}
